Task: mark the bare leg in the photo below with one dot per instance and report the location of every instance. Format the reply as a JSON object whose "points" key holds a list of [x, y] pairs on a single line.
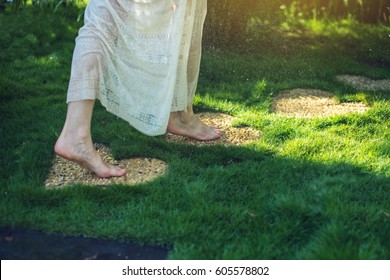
{"points": [[75, 141], [189, 125]]}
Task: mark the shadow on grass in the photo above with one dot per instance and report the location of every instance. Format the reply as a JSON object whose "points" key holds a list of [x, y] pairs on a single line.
{"points": [[35, 245]]}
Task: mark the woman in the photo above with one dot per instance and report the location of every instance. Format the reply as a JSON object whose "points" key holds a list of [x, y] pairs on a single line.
{"points": [[141, 59]]}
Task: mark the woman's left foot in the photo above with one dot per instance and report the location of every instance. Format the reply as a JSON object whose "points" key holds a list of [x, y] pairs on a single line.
{"points": [[189, 125]]}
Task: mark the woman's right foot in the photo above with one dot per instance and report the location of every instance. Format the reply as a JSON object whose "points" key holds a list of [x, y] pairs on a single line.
{"points": [[81, 151]]}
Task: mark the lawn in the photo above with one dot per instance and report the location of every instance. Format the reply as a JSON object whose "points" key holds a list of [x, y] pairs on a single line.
{"points": [[309, 188]]}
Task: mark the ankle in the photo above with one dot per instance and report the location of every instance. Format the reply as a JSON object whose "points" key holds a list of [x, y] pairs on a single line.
{"points": [[182, 117], [81, 133]]}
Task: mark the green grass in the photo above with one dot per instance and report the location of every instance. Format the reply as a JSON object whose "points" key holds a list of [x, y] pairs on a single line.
{"points": [[308, 189]]}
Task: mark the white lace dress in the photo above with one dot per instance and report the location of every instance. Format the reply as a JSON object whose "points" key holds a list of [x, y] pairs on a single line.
{"points": [[140, 58]]}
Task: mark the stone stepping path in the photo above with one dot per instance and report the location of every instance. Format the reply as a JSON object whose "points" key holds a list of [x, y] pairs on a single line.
{"points": [[141, 170], [364, 83], [296, 102], [312, 103], [318, 103]]}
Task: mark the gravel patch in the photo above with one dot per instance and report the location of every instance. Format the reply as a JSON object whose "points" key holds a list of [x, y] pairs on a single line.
{"points": [[138, 170], [364, 83], [312, 103]]}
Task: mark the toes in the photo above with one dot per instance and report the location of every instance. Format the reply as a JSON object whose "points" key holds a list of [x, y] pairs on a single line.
{"points": [[111, 172], [217, 132], [214, 133], [117, 172]]}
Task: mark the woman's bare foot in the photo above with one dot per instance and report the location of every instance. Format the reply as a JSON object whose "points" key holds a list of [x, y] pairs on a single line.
{"points": [[189, 125], [75, 141], [81, 150]]}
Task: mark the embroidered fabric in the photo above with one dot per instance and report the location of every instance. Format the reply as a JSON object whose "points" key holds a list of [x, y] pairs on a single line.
{"points": [[140, 58]]}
